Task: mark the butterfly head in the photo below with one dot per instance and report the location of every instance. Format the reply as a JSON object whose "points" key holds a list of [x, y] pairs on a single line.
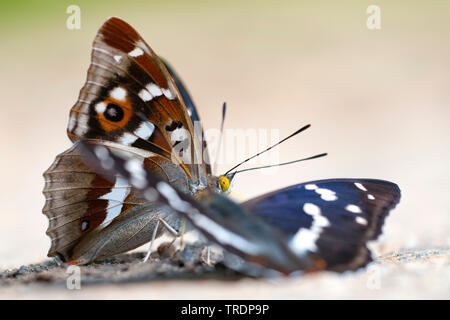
{"points": [[226, 182]]}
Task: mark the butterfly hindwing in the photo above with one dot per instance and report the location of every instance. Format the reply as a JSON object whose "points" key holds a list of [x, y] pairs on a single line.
{"points": [[88, 213], [330, 219]]}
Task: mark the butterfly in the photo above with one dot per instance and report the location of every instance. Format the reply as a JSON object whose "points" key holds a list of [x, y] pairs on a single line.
{"points": [[133, 100], [138, 160]]}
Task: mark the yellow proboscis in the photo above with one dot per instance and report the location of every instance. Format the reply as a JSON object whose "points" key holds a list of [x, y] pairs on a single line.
{"points": [[234, 192]]}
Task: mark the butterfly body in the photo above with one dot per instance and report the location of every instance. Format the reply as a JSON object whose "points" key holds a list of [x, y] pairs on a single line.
{"points": [[139, 157]]}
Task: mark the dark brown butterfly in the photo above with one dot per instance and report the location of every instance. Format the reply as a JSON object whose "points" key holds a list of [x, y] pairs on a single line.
{"points": [[130, 100], [138, 159]]}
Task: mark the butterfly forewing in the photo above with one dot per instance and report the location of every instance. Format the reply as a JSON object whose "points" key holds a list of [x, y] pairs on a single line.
{"points": [[193, 113], [131, 98], [84, 207], [216, 217]]}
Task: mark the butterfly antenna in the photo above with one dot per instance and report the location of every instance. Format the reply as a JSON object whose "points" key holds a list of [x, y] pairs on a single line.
{"points": [[224, 111], [276, 144], [284, 163]]}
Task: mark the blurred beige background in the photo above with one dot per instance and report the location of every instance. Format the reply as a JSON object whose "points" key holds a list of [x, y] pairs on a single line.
{"points": [[378, 100]]}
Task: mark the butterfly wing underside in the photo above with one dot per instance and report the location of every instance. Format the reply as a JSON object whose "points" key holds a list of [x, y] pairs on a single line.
{"points": [[93, 216], [193, 113], [131, 102], [130, 97]]}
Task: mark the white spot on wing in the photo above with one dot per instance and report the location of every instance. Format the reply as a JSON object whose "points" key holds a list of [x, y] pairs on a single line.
{"points": [[154, 89], [370, 197], [115, 198], [353, 208], [305, 239], [329, 197], [141, 44], [145, 130], [118, 93], [172, 197], [101, 153], [311, 209], [310, 186], [100, 107], [84, 225], [145, 95], [323, 191], [136, 52], [105, 160], [118, 58], [361, 220], [127, 139], [360, 186], [168, 93], [138, 175], [326, 194]]}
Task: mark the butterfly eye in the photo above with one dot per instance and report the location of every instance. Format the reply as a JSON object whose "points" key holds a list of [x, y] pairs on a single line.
{"points": [[113, 112], [224, 183]]}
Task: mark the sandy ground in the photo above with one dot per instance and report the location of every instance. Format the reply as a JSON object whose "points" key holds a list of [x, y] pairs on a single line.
{"points": [[405, 274]]}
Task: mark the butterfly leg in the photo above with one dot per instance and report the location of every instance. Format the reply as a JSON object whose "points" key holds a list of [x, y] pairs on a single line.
{"points": [[183, 229], [169, 228], [174, 232], [151, 242], [208, 256]]}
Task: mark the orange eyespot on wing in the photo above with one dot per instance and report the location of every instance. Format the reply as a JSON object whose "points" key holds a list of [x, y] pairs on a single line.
{"points": [[113, 114]]}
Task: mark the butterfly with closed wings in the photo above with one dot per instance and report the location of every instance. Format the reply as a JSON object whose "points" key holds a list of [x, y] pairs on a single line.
{"points": [[139, 159]]}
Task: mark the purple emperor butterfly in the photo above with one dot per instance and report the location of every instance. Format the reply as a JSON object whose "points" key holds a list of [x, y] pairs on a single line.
{"points": [[129, 169]]}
